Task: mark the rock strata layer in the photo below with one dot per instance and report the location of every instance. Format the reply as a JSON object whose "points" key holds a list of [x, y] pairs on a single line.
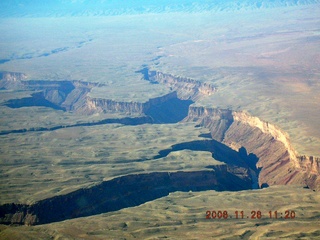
{"points": [[278, 162], [73, 96], [186, 88], [122, 192], [262, 145]]}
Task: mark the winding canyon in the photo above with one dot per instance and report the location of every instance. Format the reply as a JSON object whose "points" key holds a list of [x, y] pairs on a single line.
{"points": [[127, 191], [263, 149]]}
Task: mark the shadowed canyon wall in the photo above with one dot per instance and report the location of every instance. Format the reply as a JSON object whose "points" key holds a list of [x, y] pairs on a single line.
{"points": [[122, 192], [73, 96], [278, 161]]}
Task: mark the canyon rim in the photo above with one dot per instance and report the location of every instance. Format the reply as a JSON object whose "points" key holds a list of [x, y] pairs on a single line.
{"points": [[159, 110]]}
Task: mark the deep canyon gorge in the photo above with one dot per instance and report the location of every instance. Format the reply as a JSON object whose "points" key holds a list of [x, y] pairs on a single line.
{"points": [[252, 149]]}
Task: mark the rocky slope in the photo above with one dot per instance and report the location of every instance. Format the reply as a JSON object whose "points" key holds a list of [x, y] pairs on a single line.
{"points": [[118, 193], [278, 161], [186, 88], [106, 105]]}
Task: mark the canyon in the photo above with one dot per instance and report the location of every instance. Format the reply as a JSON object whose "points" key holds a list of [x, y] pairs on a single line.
{"points": [[266, 155], [118, 193], [278, 160], [134, 120], [73, 96]]}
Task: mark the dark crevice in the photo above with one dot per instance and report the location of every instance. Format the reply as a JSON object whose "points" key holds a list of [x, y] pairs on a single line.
{"points": [[219, 152], [186, 88], [125, 121], [119, 193], [36, 99], [132, 190], [172, 111], [48, 94], [205, 135], [239, 163], [145, 72], [55, 94]]}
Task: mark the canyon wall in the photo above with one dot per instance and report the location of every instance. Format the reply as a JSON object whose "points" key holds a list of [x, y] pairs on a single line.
{"points": [[73, 96], [186, 88], [278, 162], [122, 192], [105, 105], [259, 144]]}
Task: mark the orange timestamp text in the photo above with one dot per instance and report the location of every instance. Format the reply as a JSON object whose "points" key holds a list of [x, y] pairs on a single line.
{"points": [[254, 214]]}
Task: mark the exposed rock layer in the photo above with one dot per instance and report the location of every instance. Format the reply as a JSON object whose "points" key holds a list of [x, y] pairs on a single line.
{"points": [[127, 191], [278, 161], [73, 96], [186, 88]]}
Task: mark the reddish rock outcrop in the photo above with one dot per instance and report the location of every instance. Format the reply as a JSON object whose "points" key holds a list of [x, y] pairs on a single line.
{"points": [[278, 161]]}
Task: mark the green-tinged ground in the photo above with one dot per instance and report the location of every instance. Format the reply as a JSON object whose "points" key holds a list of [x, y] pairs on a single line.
{"points": [[183, 215], [268, 67], [45, 164], [262, 60]]}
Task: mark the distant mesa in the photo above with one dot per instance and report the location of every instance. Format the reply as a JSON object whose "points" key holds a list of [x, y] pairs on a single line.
{"points": [[47, 53]]}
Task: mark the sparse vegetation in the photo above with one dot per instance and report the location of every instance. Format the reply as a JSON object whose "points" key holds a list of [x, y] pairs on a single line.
{"points": [[261, 57]]}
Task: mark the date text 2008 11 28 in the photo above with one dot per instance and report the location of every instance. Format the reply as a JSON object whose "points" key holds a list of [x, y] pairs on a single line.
{"points": [[223, 214]]}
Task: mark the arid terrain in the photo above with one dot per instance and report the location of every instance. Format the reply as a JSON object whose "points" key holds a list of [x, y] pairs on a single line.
{"points": [[133, 120]]}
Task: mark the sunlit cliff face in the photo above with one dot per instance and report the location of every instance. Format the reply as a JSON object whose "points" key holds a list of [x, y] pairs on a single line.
{"points": [[107, 105], [278, 160]]}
